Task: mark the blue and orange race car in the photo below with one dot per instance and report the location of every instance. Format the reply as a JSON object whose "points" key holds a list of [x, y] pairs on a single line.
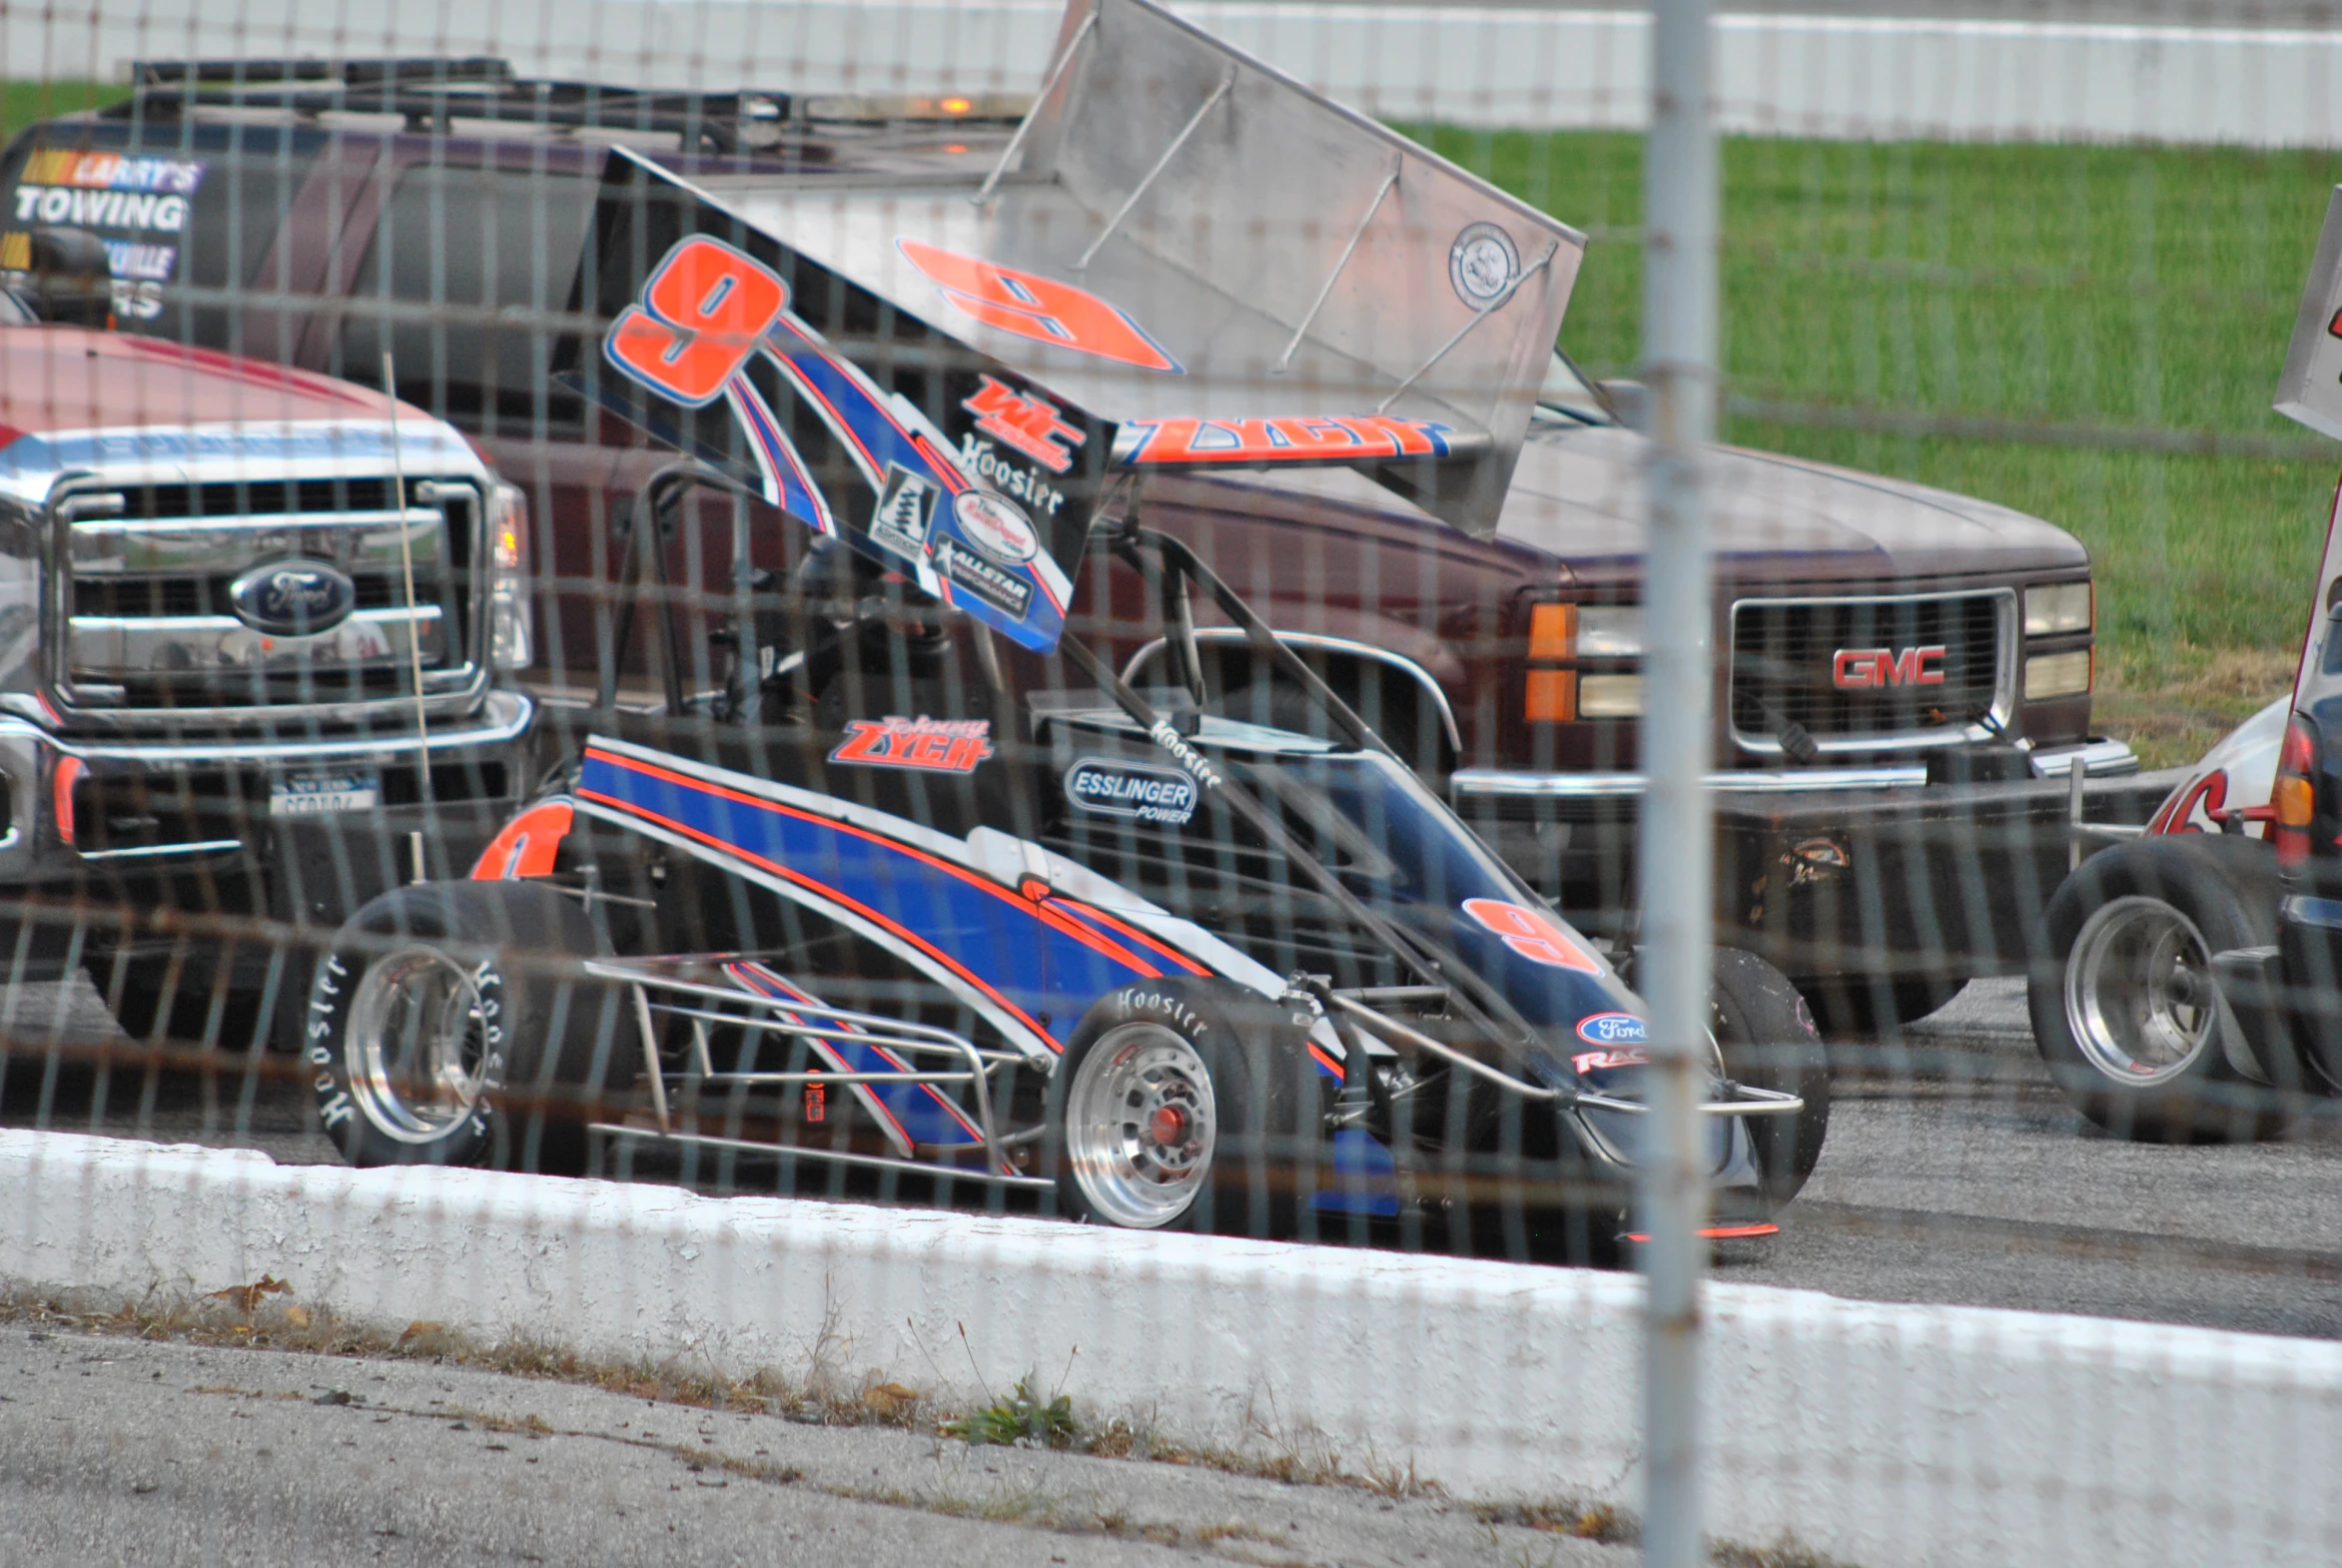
{"points": [[910, 888]]}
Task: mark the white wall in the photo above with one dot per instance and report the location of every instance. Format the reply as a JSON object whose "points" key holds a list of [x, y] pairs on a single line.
{"points": [[1809, 76], [1892, 1436]]}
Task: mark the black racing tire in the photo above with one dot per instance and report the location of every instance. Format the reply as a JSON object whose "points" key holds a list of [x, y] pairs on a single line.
{"points": [[182, 1002], [1767, 1040], [516, 1065], [1867, 1009], [1188, 1104], [2125, 1010]]}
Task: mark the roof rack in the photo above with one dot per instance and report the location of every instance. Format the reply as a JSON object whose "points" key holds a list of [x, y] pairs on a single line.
{"points": [[431, 90]]}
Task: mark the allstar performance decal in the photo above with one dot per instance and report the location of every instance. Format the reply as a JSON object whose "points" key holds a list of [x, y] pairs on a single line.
{"points": [[970, 573], [923, 744]]}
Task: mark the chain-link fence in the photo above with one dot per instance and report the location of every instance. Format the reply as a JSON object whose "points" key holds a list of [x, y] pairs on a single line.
{"points": [[1012, 611]]}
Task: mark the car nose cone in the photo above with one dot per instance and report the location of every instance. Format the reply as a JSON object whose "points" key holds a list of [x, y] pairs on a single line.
{"points": [[293, 598]]}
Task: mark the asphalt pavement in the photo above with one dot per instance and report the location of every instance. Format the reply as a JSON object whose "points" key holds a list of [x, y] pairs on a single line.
{"points": [[115, 1450], [1954, 1173]]}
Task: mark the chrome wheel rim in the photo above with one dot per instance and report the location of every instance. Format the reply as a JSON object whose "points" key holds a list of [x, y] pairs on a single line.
{"points": [[418, 1052], [2141, 1000], [1140, 1125]]}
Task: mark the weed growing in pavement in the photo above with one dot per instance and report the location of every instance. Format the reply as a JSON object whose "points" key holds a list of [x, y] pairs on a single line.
{"points": [[1587, 1521], [1021, 1418]]}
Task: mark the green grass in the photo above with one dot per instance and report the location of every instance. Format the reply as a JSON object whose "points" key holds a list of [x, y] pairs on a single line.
{"points": [[22, 103], [2115, 290]]}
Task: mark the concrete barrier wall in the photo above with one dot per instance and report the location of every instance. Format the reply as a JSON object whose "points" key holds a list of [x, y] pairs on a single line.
{"points": [[1879, 1434], [1841, 77]]}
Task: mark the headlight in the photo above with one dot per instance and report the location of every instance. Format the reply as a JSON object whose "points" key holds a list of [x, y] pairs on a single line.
{"points": [[2057, 608], [1610, 696], [1610, 631], [512, 621], [2056, 675]]}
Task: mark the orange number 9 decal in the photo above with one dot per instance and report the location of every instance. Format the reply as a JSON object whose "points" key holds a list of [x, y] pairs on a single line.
{"points": [[1037, 307], [1532, 935], [703, 313]]}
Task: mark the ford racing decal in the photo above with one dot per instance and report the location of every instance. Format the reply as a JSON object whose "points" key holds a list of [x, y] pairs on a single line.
{"points": [[1594, 1060], [1613, 1029], [1127, 789]]}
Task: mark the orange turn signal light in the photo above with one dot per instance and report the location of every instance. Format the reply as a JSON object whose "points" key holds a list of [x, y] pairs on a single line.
{"points": [[1553, 631], [1552, 697]]}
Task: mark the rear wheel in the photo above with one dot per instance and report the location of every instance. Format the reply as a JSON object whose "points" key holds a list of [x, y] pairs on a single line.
{"points": [[2130, 1018], [1186, 1103], [441, 1029]]}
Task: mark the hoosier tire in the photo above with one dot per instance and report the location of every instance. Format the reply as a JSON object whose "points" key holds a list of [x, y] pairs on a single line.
{"points": [[440, 1032], [1186, 1103]]}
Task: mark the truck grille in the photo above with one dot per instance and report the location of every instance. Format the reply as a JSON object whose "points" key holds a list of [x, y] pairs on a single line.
{"points": [[147, 586], [1786, 663]]}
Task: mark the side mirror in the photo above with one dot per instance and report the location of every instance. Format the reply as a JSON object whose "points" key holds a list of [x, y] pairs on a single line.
{"points": [[71, 279]]}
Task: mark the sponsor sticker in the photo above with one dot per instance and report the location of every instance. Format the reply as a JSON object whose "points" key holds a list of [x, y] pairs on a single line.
{"points": [[1128, 789], [113, 171], [1328, 438], [906, 510], [78, 209], [1483, 264], [981, 459], [995, 585], [1594, 1060], [1613, 1029], [1026, 423], [923, 744], [996, 526]]}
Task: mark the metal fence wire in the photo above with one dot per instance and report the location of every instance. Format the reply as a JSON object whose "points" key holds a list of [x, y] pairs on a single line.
{"points": [[1016, 611]]}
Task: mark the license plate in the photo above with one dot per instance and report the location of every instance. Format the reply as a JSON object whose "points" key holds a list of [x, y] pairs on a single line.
{"points": [[324, 794]]}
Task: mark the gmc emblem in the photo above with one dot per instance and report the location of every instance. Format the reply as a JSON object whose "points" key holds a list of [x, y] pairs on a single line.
{"points": [[1859, 669]]}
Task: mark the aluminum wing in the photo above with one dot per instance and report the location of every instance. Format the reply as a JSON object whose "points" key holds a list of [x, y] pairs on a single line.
{"points": [[2309, 390]]}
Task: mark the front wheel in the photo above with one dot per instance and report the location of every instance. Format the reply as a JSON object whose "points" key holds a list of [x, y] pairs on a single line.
{"points": [[441, 1030], [1186, 1103], [1767, 1038]]}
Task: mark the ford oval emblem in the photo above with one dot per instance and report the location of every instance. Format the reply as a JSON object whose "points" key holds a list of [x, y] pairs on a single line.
{"points": [[294, 598], [1613, 1029]]}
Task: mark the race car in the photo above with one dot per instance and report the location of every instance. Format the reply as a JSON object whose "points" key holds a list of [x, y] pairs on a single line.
{"points": [[2194, 989], [894, 877]]}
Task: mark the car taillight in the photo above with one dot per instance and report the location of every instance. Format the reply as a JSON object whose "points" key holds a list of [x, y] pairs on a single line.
{"points": [[2294, 796], [511, 620]]}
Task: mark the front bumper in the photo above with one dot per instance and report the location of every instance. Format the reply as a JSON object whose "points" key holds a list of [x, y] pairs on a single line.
{"points": [[1868, 870], [200, 838]]}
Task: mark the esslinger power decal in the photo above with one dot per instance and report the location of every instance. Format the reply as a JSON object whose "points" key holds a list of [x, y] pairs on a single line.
{"points": [[709, 307], [1020, 958], [1318, 439], [928, 745], [1127, 789]]}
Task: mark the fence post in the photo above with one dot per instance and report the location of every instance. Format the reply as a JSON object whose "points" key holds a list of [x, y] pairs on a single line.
{"points": [[1678, 368]]}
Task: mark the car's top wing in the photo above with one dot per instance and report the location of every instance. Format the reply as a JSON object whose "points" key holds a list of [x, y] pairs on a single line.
{"points": [[2309, 391], [1183, 258]]}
